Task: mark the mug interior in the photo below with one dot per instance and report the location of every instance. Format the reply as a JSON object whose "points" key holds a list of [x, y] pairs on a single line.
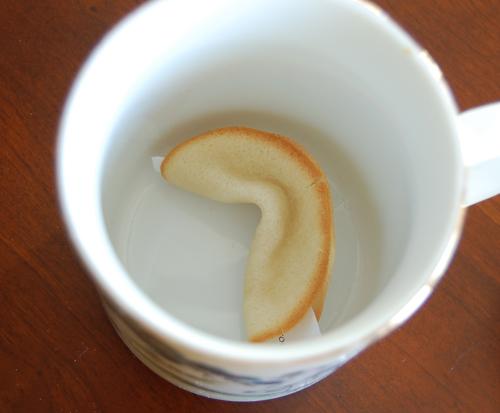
{"points": [[341, 80]]}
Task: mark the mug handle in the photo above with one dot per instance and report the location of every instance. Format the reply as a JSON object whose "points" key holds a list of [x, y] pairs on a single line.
{"points": [[479, 132]]}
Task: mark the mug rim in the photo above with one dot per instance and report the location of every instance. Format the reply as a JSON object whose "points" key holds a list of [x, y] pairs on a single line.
{"points": [[155, 320]]}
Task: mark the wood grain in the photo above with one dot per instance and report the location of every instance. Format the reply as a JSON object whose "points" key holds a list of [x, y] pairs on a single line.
{"points": [[59, 353]]}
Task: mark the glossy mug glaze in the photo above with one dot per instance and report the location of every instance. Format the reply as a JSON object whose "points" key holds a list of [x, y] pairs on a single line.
{"points": [[339, 77]]}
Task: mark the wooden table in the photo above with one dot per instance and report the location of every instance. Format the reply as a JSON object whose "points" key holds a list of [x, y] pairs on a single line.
{"points": [[59, 353]]}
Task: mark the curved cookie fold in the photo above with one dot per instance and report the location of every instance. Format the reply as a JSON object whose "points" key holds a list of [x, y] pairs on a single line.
{"points": [[291, 257]]}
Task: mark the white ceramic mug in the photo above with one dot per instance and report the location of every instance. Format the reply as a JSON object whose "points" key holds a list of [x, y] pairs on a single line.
{"points": [[339, 77]]}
